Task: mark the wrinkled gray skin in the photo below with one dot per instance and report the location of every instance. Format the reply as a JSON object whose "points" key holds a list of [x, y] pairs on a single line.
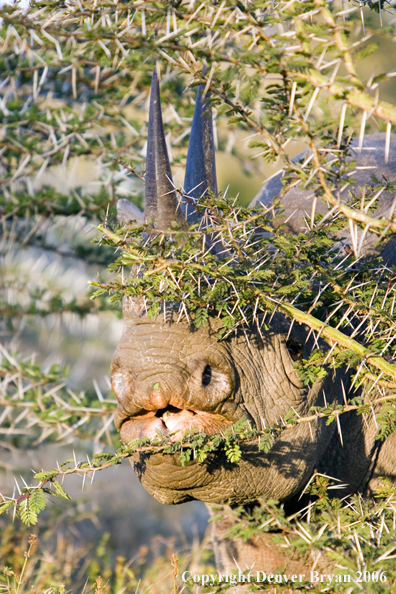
{"points": [[297, 203], [160, 377], [251, 378]]}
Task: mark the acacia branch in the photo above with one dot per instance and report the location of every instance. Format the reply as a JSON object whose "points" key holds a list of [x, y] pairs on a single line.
{"points": [[334, 336], [237, 436]]}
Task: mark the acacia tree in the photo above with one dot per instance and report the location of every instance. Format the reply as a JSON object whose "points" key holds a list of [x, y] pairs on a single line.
{"points": [[74, 84]]}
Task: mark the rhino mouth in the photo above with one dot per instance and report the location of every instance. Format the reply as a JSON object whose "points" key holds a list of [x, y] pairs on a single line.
{"points": [[171, 421]]}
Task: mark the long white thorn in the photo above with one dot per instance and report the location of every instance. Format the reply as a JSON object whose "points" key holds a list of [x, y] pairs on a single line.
{"points": [[17, 486], [341, 126], [362, 18], [313, 211], [387, 139], [343, 393], [374, 417], [324, 398], [362, 238], [310, 430], [311, 102], [353, 232], [376, 381], [339, 429], [362, 130], [263, 422], [292, 97], [24, 482]]}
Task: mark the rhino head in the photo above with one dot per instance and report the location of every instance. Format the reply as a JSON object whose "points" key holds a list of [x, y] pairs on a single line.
{"points": [[168, 376]]}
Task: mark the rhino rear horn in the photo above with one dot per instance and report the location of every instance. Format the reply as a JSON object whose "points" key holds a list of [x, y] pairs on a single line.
{"points": [[200, 174], [161, 203]]}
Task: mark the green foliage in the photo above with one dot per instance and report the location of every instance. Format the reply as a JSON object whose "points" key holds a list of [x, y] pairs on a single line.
{"points": [[59, 490], [192, 445], [233, 451], [201, 317], [387, 421], [37, 500], [356, 538], [265, 443], [49, 403], [5, 506], [308, 371], [75, 80], [27, 514], [260, 275]]}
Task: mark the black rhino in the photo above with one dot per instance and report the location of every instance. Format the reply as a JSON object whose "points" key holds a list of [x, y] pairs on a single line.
{"points": [[167, 377]]}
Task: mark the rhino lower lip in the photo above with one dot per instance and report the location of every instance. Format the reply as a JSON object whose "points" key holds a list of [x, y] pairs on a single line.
{"points": [[171, 421]]}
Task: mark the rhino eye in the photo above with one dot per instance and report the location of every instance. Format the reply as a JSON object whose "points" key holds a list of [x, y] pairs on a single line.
{"points": [[295, 348], [207, 376]]}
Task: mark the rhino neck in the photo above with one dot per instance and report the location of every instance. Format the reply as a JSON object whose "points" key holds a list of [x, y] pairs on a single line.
{"points": [[271, 388], [267, 380], [359, 463], [360, 460]]}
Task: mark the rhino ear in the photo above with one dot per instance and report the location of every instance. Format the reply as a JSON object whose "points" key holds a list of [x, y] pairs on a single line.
{"points": [[161, 203], [201, 165], [128, 211]]}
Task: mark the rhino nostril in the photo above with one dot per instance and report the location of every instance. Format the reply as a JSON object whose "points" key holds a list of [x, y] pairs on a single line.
{"points": [[295, 348], [207, 376], [118, 384]]}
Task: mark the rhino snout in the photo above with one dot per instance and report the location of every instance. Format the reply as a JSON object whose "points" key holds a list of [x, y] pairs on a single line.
{"points": [[170, 398]]}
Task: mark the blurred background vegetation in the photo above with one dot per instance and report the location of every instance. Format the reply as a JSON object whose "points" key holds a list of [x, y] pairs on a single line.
{"points": [[73, 111]]}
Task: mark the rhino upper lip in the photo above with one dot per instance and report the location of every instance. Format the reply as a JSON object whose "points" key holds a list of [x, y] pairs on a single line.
{"points": [[160, 413], [171, 420]]}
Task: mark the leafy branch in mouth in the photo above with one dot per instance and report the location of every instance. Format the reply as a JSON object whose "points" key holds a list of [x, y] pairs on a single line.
{"points": [[192, 446]]}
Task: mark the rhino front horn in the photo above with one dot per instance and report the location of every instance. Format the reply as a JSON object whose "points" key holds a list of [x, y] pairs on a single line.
{"points": [[200, 174], [161, 203]]}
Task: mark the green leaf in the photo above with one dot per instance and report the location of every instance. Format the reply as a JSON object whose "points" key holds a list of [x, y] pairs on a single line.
{"points": [[367, 51], [153, 310], [201, 317], [5, 506], [200, 455], [233, 452], [60, 490], [185, 456], [265, 443], [43, 476], [37, 500], [27, 515]]}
